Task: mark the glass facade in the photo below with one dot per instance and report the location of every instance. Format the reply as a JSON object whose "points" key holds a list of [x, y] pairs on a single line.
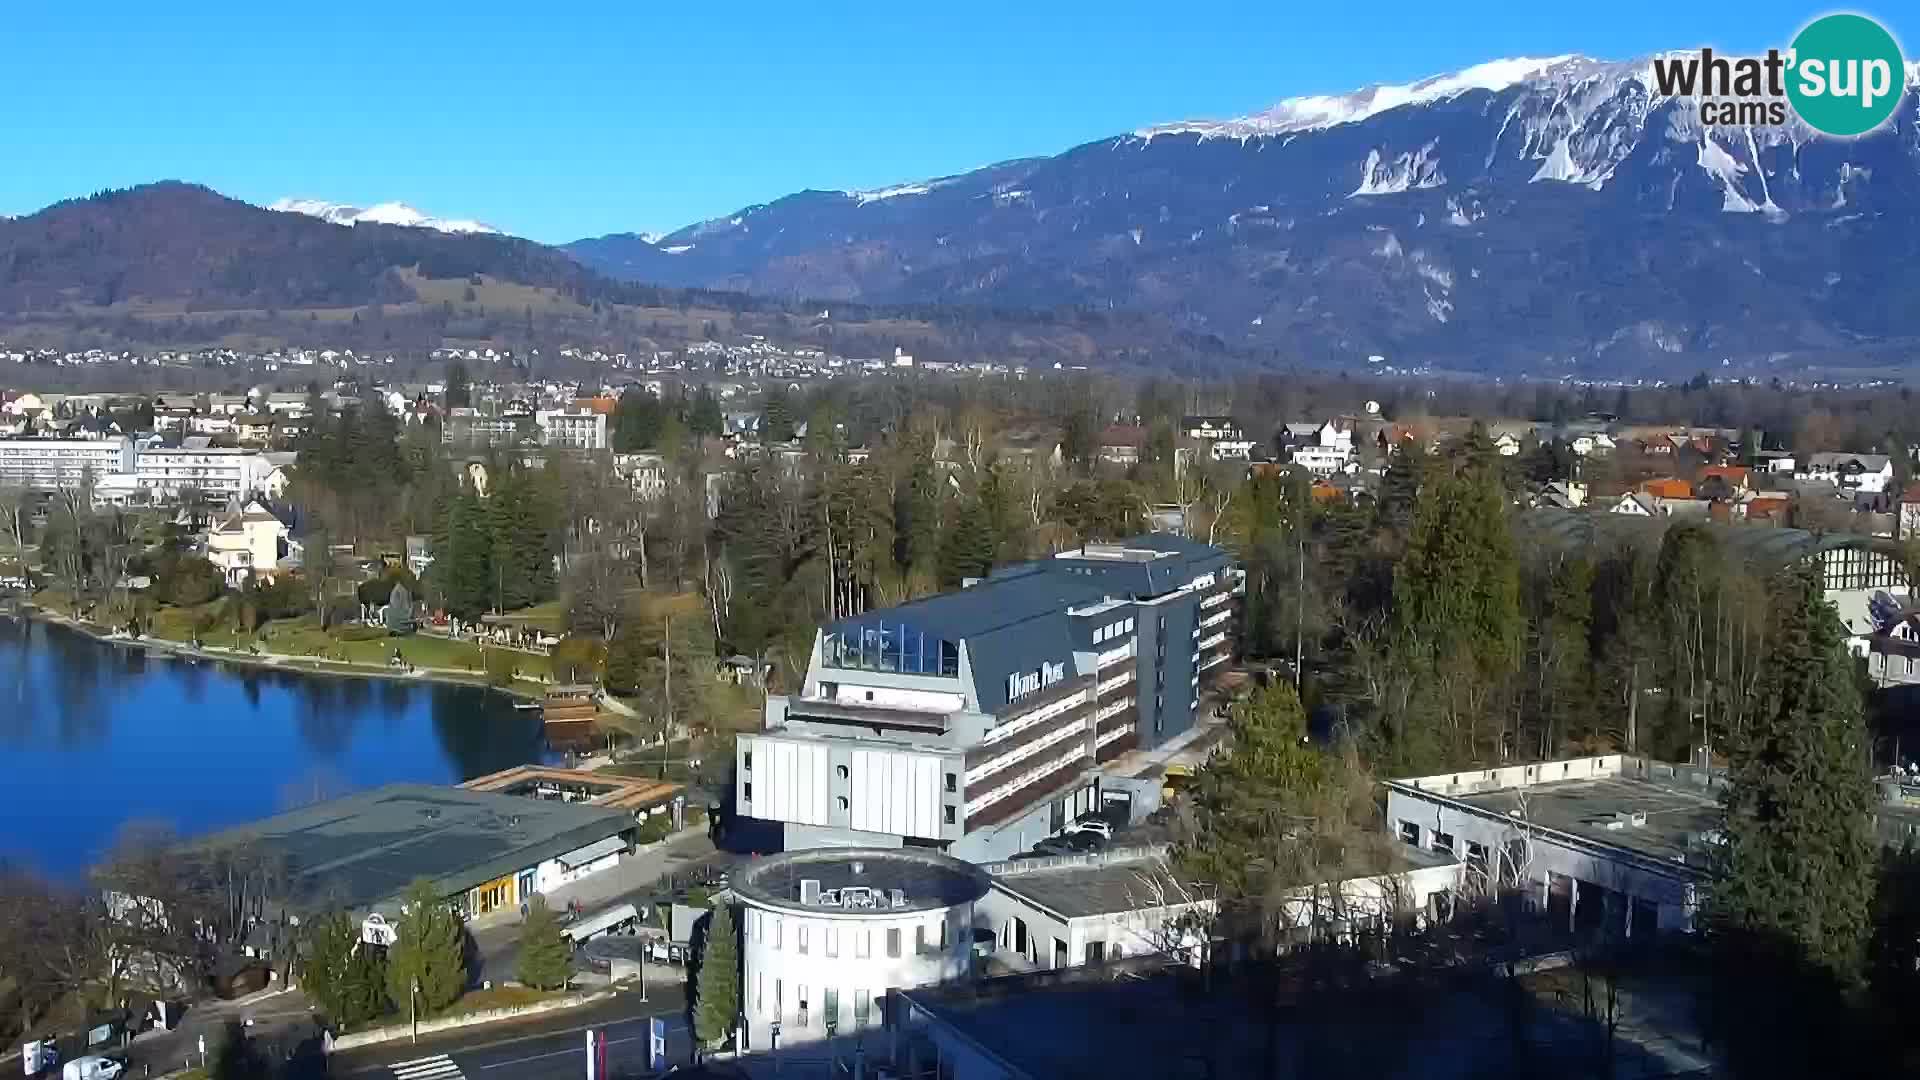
{"points": [[890, 647]]}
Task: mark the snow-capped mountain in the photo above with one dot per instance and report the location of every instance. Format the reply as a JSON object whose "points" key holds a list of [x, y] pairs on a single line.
{"points": [[1553, 213], [386, 213]]}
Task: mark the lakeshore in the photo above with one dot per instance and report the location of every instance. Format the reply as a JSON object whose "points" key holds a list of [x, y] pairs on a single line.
{"points": [[95, 738], [302, 663]]}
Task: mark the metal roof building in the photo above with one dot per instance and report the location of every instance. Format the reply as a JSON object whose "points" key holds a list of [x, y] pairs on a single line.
{"points": [[973, 718], [487, 850]]}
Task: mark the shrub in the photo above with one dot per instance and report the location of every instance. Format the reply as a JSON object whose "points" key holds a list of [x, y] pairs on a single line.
{"points": [[359, 633]]}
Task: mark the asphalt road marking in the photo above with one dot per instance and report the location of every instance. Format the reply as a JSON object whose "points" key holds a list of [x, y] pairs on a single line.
{"points": [[437, 1067]]}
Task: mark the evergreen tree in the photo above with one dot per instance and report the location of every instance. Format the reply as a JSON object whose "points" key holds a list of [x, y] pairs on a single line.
{"points": [[345, 976], [776, 418], [1457, 621], [459, 391], [716, 993], [703, 417], [429, 950], [1789, 914], [545, 958], [967, 548], [1243, 801], [637, 421]]}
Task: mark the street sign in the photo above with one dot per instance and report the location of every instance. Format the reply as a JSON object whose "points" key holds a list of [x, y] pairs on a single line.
{"points": [[657, 1043]]}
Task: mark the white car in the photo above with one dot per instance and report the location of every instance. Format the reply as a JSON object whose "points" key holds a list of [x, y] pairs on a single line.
{"points": [[1097, 825], [91, 1067]]}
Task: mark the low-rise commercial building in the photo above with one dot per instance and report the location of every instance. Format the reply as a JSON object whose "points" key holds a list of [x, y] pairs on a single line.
{"points": [[223, 474], [1612, 843], [483, 851], [827, 934], [977, 721]]}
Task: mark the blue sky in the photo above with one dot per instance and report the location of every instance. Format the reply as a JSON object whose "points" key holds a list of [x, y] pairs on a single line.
{"points": [[635, 116]]}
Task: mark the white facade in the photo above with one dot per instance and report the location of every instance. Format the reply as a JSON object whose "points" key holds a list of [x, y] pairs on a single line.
{"points": [[46, 464], [573, 429], [221, 472], [1323, 460], [1868, 473], [817, 947], [1547, 860], [898, 791]]}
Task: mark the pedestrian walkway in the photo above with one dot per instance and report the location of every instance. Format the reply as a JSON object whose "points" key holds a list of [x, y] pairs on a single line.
{"points": [[437, 1067]]}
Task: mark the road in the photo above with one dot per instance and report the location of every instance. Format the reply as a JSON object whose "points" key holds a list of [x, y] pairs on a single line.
{"points": [[549, 1047]]}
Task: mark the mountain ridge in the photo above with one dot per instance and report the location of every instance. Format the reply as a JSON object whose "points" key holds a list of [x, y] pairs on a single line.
{"points": [[1550, 214]]}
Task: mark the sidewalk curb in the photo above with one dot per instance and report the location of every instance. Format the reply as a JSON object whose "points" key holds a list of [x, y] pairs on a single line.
{"points": [[489, 1016]]}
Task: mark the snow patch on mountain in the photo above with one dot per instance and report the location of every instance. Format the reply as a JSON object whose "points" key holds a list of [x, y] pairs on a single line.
{"points": [[386, 213], [1316, 111], [1406, 172]]}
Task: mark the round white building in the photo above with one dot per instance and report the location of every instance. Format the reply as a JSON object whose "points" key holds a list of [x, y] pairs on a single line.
{"points": [[826, 933]]}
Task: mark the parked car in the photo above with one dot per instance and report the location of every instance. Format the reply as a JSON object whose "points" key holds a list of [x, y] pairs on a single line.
{"points": [[91, 1067], [1094, 823]]}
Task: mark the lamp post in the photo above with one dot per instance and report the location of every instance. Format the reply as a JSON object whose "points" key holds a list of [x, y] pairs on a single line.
{"points": [[833, 1052], [413, 1007]]}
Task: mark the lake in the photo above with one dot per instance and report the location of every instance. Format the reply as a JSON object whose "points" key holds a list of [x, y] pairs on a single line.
{"points": [[94, 736]]}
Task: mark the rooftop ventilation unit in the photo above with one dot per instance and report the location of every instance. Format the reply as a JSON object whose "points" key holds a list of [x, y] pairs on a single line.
{"points": [[896, 898], [809, 891]]}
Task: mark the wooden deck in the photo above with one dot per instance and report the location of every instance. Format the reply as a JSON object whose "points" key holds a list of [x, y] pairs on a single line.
{"points": [[599, 789]]}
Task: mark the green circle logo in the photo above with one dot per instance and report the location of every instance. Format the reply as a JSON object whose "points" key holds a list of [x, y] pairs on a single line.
{"points": [[1846, 75]]}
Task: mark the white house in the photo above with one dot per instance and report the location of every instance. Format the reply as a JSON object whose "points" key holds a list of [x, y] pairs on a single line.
{"points": [[1867, 473], [251, 542]]}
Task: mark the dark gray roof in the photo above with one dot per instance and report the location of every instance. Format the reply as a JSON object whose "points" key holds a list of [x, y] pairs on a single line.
{"points": [[1017, 617], [927, 879], [1765, 547], [362, 851]]}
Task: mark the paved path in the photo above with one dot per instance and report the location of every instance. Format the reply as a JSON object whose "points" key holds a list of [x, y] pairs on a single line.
{"points": [[635, 877]]}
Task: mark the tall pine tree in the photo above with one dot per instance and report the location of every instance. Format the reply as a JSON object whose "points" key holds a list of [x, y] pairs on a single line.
{"points": [[716, 987], [1790, 910], [429, 953]]}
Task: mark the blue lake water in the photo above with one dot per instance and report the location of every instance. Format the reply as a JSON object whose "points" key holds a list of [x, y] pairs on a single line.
{"points": [[94, 736]]}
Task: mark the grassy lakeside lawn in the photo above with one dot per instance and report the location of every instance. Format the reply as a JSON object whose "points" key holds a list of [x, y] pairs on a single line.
{"points": [[350, 644]]}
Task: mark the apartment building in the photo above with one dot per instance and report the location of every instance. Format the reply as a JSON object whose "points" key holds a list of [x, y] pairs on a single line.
{"points": [[572, 429], [46, 464], [224, 474], [977, 721]]}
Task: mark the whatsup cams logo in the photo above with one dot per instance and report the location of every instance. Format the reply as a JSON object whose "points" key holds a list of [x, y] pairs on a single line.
{"points": [[1843, 75]]}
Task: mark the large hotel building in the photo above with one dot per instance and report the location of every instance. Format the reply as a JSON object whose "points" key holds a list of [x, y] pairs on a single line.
{"points": [[978, 721]]}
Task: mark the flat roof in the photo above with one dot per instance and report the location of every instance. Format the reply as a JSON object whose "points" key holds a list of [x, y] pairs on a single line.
{"points": [[927, 879], [363, 850], [1081, 886], [1587, 809]]}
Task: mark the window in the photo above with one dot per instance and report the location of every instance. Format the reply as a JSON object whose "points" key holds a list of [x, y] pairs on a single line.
{"points": [[746, 761], [776, 931], [862, 944], [919, 939], [859, 1008], [953, 782], [800, 998], [778, 1007], [948, 813], [760, 993], [840, 771], [1477, 857], [943, 935], [1410, 833], [1096, 952], [1443, 841], [893, 943], [841, 802], [831, 1013], [833, 941], [800, 938], [746, 791], [759, 927]]}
